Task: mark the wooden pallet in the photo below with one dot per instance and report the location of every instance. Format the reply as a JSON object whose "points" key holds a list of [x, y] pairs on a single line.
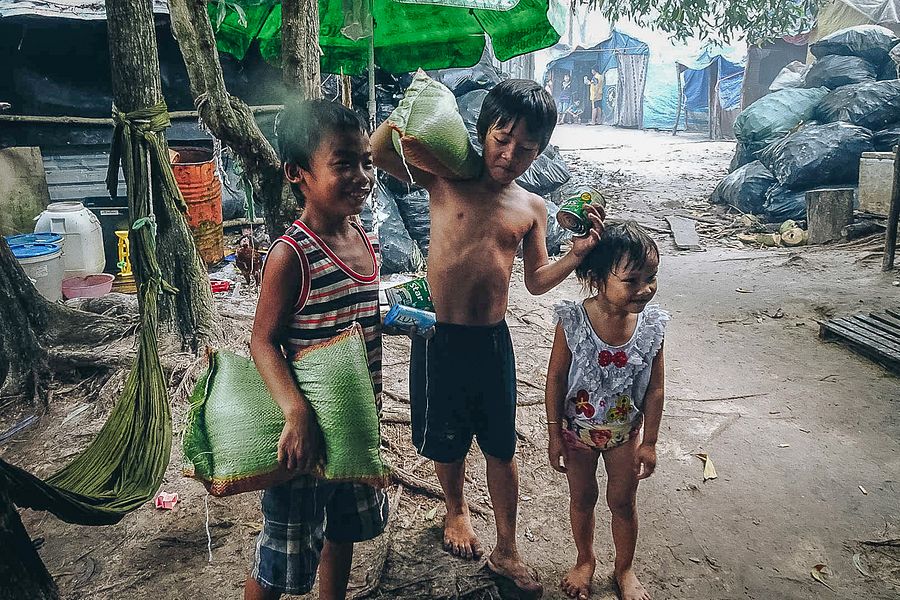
{"points": [[876, 335]]}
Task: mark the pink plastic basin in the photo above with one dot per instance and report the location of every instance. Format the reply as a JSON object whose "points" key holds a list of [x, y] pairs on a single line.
{"points": [[88, 286]]}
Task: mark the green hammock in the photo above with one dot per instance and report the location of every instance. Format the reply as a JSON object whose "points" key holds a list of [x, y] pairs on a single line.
{"points": [[123, 467]]}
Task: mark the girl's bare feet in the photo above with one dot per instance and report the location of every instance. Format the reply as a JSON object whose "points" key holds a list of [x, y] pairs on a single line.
{"points": [[459, 536], [522, 576], [577, 582], [629, 586]]}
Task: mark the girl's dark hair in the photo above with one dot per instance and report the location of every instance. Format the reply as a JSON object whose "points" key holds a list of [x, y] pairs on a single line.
{"points": [[625, 242], [516, 99], [301, 126]]}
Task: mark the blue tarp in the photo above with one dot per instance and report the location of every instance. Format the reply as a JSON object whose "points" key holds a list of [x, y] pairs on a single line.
{"points": [[697, 78], [603, 55]]}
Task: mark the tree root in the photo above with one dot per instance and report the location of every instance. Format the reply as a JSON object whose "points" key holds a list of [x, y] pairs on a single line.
{"points": [[416, 484]]}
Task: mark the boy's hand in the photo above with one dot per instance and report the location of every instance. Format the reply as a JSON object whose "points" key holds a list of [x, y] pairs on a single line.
{"points": [[645, 461], [300, 444], [583, 244], [557, 449]]}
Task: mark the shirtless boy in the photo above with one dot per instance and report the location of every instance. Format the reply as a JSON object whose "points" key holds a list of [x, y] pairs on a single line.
{"points": [[462, 380]]}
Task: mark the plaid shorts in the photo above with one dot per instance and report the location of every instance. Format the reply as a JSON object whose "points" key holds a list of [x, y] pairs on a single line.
{"points": [[299, 515]]}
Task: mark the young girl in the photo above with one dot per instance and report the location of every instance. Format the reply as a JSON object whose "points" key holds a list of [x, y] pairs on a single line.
{"points": [[605, 381]]}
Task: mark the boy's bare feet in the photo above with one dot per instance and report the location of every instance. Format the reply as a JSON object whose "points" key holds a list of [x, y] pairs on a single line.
{"points": [[577, 582], [629, 586], [519, 573], [459, 536]]}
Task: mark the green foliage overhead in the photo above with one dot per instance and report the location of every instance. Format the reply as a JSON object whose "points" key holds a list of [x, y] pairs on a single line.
{"points": [[722, 20]]}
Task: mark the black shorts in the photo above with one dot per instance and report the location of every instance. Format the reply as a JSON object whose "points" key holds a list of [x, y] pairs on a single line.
{"points": [[463, 384], [598, 103]]}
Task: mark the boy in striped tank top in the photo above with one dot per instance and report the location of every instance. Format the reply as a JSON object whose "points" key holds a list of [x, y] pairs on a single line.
{"points": [[319, 278]]}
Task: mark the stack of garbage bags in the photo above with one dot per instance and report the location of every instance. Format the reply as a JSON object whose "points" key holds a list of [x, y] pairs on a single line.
{"points": [[401, 211], [812, 129]]}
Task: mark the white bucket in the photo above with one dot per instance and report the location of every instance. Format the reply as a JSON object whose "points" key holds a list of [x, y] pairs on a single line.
{"points": [[82, 237], [43, 264]]}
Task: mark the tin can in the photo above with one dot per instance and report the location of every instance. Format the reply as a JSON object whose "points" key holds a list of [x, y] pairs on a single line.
{"points": [[404, 318], [571, 212], [414, 293]]}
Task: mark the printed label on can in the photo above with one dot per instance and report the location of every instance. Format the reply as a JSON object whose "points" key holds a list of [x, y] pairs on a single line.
{"points": [[413, 293]]}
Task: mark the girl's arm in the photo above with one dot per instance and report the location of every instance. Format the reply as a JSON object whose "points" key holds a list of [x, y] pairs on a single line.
{"points": [[653, 409], [555, 397], [299, 445]]}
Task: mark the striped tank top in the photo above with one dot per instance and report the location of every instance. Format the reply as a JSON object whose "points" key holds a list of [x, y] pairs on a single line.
{"points": [[333, 296]]}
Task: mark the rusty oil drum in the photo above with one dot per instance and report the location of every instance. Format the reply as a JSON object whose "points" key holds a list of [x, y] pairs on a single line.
{"points": [[195, 172]]}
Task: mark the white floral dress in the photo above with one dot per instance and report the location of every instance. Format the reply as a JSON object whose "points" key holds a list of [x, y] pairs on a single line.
{"points": [[607, 384]]}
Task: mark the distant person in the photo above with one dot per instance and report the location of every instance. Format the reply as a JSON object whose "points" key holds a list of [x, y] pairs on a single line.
{"points": [[605, 382], [463, 379], [595, 83], [564, 101], [573, 113]]}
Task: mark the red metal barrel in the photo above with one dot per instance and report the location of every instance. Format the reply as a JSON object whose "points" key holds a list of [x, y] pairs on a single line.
{"points": [[195, 172]]}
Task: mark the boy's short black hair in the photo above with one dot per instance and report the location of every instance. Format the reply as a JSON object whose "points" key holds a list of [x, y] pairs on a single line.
{"points": [[625, 242], [302, 125], [516, 99]]}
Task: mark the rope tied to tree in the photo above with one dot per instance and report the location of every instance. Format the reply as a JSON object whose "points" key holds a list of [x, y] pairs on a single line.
{"points": [[124, 465]]}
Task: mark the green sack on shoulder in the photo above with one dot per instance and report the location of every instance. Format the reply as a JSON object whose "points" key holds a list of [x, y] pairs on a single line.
{"points": [[429, 132], [233, 427]]}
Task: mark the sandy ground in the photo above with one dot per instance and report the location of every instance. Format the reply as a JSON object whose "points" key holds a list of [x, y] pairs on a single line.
{"points": [[797, 428]]}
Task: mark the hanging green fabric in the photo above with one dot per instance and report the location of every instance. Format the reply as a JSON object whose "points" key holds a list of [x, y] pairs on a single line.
{"points": [[124, 465], [408, 35]]}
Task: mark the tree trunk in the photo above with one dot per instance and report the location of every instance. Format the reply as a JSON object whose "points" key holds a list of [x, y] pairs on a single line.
{"points": [[22, 574], [228, 118], [300, 47], [136, 85], [23, 319]]}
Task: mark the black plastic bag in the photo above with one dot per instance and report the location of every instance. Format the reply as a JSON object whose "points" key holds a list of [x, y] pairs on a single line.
{"points": [[414, 211], [871, 42], [833, 71], [367, 216], [399, 253], [886, 139], [872, 105], [556, 235], [547, 173], [888, 71], [461, 81], [818, 155], [771, 117], [782, 204], [745, 188]]}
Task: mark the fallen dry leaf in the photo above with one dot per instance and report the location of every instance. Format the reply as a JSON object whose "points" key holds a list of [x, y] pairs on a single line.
{"points": [[431, 514], [863, 490], [784, 445], [709, 469], [743, 291], [857, 562], [821, 573]]}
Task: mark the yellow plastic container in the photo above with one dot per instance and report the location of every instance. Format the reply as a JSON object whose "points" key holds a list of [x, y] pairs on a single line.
{"points": [[124, 263]]}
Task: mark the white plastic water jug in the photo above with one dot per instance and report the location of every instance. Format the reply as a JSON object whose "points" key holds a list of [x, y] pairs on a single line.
{"points": [[82, 237]]}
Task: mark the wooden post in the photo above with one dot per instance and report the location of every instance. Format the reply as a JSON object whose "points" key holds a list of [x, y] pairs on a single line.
{"points": [[680, 101], [828, 211], [890, 240]]}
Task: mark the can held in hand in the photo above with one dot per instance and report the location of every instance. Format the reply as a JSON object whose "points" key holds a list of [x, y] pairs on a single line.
{"points": [[571, 214], [405, 318], [414, 293]]}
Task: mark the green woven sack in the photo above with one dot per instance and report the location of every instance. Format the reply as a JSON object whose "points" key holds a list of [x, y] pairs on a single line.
{"points": [[231, 436], [429, 132]]}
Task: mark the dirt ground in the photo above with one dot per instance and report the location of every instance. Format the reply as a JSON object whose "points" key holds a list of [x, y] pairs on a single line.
{"points": [[805, 435]]}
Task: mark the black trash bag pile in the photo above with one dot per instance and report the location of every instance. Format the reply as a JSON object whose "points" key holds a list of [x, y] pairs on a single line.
{"points": [[771, 118], [547, 173], [873, 105], [482, 76], [833, 71], [886, 139], [745, 188], [871, 42], [399, 253], [818, 155], [414, 211], [782, 204]]}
